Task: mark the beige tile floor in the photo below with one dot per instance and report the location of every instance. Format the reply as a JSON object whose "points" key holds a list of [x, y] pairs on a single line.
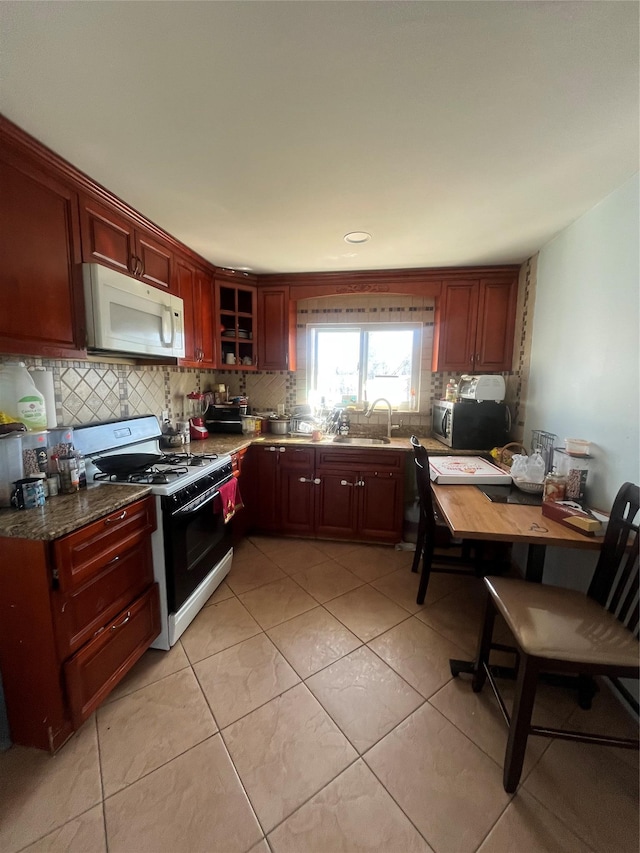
{"points": [[310, 707]]}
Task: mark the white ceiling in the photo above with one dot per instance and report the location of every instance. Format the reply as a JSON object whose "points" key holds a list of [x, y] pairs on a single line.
{"points": [[259, 133]]}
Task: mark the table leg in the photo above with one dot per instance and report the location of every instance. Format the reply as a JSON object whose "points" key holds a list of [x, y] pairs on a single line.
{"points": [[535, 563]]}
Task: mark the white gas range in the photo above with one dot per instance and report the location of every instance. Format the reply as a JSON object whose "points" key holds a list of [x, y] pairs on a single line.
{"points": [[191, 546]]}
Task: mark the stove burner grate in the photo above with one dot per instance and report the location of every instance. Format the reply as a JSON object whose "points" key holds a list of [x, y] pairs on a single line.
{"points": [[150, 476], [193, 460]]}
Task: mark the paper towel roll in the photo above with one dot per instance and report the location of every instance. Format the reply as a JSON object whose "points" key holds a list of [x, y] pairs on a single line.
{"points": [[43, 380]]}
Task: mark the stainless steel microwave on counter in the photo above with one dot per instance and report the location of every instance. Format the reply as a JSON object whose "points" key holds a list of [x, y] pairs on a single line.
{"points": [[471, 425]]}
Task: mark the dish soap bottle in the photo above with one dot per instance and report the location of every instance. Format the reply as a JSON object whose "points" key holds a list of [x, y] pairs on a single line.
{"points": [[451, 394]]}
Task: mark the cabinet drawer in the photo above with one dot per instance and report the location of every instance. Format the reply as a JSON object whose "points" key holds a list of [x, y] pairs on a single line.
{"points": [[369, 460], [298, 457], [78, 615], [95, 670], [84, 553]]}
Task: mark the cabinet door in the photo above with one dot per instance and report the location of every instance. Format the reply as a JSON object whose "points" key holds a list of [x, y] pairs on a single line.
{"points": [[297, 502], [40, 273], [185, 278], [457, 322], [380, 510], [277, 325], [266, 469], [336, 504], [496, 326], [154, 258], [236, 325], [79, 615], [297, 490], [82, 555], [204, 291], [94, 671], [107, 238]]}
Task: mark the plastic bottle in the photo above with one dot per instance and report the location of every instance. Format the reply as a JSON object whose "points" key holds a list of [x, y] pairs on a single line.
{"points": [[451, 394], [19, 397]]}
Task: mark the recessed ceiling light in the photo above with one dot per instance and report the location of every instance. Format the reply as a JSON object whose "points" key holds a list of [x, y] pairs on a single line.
{"points": [[357, 237]]}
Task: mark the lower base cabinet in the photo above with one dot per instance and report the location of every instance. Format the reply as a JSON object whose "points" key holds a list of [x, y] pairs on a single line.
{"points": [[330, 493], [75, 615]]}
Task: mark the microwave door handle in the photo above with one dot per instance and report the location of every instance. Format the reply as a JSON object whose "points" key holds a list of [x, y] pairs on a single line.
{"points": [[167, 326], [445, 418], [509, 421]]}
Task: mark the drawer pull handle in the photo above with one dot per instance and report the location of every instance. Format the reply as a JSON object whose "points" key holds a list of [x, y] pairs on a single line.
{"points": [[115, 560], [124, 621], [113, 518]]}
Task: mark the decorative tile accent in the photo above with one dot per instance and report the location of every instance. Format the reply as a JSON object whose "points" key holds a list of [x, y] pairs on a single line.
{"points": [[145, 391]]}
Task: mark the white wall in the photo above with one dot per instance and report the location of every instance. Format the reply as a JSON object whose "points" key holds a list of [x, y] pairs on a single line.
{"points": [[584, 377], [585, 368]]}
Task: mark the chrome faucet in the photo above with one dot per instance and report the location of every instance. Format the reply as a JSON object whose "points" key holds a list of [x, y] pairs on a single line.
{"points": [[388, 404]]}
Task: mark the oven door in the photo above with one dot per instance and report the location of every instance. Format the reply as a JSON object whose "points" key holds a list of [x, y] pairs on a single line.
{"points": [[195, 542]]}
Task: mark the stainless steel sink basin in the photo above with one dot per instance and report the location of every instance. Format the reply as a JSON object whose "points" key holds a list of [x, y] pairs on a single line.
{"points": [[345, 439]]}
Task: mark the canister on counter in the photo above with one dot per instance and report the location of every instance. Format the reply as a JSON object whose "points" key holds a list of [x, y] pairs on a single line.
{"points": [[69, 474], [554, 487]]}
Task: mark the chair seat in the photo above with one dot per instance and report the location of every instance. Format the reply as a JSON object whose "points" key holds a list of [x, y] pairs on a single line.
{"points": [[562, 624]]}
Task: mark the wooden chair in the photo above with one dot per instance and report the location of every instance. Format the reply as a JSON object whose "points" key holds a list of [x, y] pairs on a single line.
{"points": [[433, 532], [561, 630]]}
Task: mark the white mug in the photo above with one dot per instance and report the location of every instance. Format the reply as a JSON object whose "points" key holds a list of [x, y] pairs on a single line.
{"points": [[230, 359]]}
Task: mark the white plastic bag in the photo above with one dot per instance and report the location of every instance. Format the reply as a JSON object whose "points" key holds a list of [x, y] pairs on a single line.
{"points": [[536, 468]]}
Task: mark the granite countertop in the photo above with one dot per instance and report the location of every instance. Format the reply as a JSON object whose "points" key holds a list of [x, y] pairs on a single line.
{"points": [[65, 513], [221, 443]]}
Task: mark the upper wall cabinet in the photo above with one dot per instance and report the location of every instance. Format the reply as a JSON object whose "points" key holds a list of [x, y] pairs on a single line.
{"points": [[236, 324], [195, 286], [474, 325], [113, 240], [40, 273], [277, 329]]}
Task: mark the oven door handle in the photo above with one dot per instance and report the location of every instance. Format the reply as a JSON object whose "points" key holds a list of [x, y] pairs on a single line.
{"points": [[189, 509]]}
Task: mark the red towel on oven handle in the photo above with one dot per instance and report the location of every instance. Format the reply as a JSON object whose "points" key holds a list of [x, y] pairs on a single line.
{"points": [[228, 499]]}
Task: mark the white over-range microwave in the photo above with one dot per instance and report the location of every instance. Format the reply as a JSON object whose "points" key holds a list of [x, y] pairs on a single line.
{"points": [[126, 316]]}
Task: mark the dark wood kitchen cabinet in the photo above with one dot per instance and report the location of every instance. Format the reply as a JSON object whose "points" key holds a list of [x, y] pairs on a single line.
{"points": [[75, 615], [475, 325], [277, 329], [330, 493], [40, 272], [195, 286], [111, 239], [237, 323], [360, 494]]}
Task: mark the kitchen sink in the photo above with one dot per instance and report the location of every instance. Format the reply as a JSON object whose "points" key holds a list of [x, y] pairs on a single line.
{"points": [[345, 439]]}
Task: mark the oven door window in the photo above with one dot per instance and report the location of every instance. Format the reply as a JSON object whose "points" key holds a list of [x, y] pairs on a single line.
{"points": [[194, 544]]}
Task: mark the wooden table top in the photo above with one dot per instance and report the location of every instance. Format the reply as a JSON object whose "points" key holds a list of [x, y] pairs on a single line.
{"points": [[471, 515]]}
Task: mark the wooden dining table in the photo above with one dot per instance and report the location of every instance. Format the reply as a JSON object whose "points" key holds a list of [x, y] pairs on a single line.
{"points": [[470, 514]]}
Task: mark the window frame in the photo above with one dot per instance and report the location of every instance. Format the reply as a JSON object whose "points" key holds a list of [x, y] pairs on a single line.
{"points": [[363, 329]]}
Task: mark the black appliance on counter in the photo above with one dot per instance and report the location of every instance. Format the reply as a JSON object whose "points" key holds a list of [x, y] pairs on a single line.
{"points": [[471, 425], [225, 417]]}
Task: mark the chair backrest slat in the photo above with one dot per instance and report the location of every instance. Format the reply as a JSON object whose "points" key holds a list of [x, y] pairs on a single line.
{"points": [[423, 480], [615, 580]]}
